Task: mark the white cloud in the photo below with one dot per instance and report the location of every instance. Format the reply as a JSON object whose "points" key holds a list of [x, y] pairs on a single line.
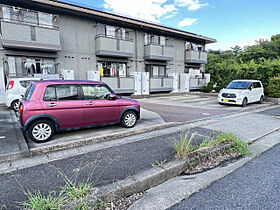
{"points": [[151, 10], [191, 4], [253, 42], [187, 22]]}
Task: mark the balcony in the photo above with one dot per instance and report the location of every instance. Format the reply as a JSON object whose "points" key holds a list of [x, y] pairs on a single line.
{"points": [[193, 56], [120, 85], [25, 36], [197, 83], [159, 52], [161, 84], [114, 47]]}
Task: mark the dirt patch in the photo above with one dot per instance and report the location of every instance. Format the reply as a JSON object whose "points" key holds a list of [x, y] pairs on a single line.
{"points": [[121, 204]]}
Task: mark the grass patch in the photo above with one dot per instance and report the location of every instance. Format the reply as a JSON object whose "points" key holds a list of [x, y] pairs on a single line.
{"points": [[73, 195], [227, 138], [158, 164], [184, 145]]}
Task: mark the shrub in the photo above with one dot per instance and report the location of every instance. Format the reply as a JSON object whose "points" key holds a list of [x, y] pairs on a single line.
{"points": [[273, 89], [208, 88]]}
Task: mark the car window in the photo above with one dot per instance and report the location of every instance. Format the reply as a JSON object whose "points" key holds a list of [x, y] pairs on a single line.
{"points": [[24, 84], [67, 92], [50, 94], [95, 92], [258, 85], [61, 93]]}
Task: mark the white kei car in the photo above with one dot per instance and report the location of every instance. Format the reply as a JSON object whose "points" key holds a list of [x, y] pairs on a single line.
{"points": [[15, 89], [242, 92]]}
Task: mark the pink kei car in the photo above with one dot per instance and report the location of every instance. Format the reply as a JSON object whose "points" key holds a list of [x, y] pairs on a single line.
{"points": [[50, 106]]}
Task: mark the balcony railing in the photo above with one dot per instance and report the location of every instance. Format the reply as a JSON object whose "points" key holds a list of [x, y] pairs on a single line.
{"points": [[21, 15], [193, 56], [24, 36], [115, 47], [161, 84], [120, 85], [159, 52]]}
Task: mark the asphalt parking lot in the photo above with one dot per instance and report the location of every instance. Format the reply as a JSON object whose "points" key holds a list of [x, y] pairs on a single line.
{"points": [[189, 107], [155, 111]]}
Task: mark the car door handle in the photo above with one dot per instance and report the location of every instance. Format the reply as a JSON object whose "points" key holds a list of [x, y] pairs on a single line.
{"points": [[51, 105], [89, 103]]}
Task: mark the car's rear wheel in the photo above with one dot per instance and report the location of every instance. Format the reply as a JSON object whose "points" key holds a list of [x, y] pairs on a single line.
{"points": [[244, 102], [15, 105], [129, 119], [41, 131], [261, 100]]}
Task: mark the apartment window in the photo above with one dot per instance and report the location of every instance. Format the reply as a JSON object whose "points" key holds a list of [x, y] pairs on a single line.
{"points": [[26, 66], [27, 16], [112, 69], [156, 70], [155, 39], [112, 31], [194, 46], [30, 17]]}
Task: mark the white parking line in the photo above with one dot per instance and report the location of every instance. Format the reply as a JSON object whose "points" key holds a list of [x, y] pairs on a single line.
{"points": [[2, 137]]}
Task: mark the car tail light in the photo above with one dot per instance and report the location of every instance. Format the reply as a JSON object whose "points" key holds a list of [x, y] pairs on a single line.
{"points": [[11, 84], [21, 109]]}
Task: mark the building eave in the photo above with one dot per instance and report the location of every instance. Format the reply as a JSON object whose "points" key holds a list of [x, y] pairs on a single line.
{"points": [[128, 20]]}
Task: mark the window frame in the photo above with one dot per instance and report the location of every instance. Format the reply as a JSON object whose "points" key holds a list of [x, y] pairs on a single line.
{"points": [[56, 85], [104, 85]]}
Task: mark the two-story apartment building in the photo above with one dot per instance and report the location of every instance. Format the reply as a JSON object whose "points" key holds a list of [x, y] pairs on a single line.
{"points": [[53, 39]]}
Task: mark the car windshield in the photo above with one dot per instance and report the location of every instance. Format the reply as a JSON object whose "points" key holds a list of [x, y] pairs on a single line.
{"points": [[238, 85]]}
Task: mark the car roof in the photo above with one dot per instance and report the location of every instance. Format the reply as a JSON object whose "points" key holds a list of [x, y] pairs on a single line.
{"points": [[54, 82], [246, 80]]}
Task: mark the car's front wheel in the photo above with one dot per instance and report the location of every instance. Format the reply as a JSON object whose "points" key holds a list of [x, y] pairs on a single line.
{"points": [[129, 119], [244, 102], [261, 100], [41, 131], [15, 105]]}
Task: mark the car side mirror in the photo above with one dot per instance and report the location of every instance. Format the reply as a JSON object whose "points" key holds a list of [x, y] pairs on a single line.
{"points": [[250, 88], [113, 97]]}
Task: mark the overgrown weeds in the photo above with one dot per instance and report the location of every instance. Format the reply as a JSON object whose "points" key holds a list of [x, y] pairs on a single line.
{"points": [[184, 145], [73, 195], [158, 164]]}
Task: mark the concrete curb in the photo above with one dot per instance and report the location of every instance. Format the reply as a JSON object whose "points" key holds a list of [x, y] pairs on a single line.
{"points": [[82, 142], [150, 178], [23, 147], [273, 100]]}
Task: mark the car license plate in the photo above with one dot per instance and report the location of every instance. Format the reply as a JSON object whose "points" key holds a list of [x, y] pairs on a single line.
{"points": [[226, 100]]}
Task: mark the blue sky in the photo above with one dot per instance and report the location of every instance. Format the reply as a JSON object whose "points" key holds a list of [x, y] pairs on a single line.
{"points": [[231, 22]]}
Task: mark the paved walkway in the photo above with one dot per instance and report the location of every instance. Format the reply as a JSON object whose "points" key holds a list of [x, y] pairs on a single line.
{"points": [[12, 142]]}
